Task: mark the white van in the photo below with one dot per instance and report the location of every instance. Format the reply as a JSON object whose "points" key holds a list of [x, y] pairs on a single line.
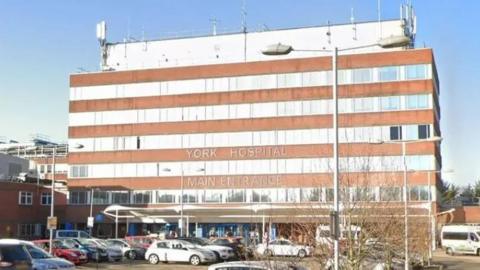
{"points": [[461, 239]]}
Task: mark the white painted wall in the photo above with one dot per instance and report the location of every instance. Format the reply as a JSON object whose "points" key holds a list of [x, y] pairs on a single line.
{"points": [[230, 48]]}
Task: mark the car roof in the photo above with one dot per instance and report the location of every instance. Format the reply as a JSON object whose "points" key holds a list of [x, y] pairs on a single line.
{"points": [[14, 242], [264, 264]]}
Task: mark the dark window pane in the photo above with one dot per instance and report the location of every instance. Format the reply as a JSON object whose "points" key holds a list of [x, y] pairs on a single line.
{"points": [[395, 133], [423, 132]]}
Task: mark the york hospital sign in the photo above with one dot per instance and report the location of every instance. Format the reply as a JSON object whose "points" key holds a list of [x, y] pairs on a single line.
{"points": [[234, 181]]}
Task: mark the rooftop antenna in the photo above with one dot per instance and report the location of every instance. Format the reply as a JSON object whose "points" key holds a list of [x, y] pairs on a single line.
{"points": [[244, 17], [214, 26], [354, 25], [379, 13], [102, 39], [329, 34], [244, 29]]}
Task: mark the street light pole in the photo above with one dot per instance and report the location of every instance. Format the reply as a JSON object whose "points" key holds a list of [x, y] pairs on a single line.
{"points": [[405, 200], [52, 197], [91, 207], [335, 154], [181, 202]]}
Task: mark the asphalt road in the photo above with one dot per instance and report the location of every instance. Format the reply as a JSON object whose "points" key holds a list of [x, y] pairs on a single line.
{"points": [[457, 262]]}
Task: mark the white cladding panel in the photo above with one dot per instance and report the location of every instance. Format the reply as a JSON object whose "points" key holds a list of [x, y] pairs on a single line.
{"points": [[230, 48]]}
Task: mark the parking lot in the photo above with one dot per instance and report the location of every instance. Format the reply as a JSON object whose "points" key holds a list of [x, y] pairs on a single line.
{"points": [[457, 262], [140, 265]]}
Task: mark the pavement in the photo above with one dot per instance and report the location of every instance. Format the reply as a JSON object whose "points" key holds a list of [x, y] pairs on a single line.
{"points": [[457, 262]]}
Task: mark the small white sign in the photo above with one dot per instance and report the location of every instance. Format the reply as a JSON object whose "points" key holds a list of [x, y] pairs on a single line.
{"points": [[90, 222], [180, 223]]}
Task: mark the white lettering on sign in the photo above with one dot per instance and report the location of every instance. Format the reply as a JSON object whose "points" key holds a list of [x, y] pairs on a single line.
{"points": [[234, 181], [239, 152], [202, 153]]}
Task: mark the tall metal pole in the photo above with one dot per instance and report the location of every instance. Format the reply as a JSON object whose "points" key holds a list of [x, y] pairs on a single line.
{"points": [[405, 199], [430, 219], [52, 200], [91, 208], [335, 154], [181, 203]]}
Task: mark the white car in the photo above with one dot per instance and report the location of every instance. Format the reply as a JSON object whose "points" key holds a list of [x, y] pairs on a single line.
{"points": [[222, 253], [178, 251], [284, 248]]}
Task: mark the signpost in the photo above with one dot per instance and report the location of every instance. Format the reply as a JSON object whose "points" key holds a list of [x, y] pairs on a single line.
{"points": [[51, 223], [90, 222]]}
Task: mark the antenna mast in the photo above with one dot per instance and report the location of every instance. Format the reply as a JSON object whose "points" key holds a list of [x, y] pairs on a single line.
{"points": [[244, 30], [102, 39]]}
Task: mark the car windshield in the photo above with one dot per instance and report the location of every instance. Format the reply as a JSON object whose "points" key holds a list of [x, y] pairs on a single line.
{"points": [[14, 253], [198, 241], [62, 245], [69, 243], [37, 253]]}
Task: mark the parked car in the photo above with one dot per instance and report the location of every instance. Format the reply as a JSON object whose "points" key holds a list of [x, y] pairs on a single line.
{"points": [[178, 251], [62, 234], [464, 239], [256, 265], [25, 255], [114, 253], [284, 248], [130, 251], [97, 253], [144, 241], [236, 243], [221, 252], [61, 250]]}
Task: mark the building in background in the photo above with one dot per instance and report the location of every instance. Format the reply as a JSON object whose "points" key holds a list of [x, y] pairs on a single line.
{"points": [[210, 129]]}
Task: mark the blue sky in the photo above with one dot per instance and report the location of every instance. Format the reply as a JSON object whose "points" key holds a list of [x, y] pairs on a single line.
{"points": [[42, 42]]}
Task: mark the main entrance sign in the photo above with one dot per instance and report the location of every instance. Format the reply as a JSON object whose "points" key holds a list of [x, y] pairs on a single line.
{"points": [[248, 181]]}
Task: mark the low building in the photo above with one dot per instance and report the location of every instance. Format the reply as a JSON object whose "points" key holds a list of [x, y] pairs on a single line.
{"points": [[24, 209]]}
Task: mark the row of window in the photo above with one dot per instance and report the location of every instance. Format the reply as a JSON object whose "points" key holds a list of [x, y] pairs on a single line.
{"points": [[278, 195], [253, 138], [253, 82], [47, 168], [250, 110], [252, 167], [26, 198]]}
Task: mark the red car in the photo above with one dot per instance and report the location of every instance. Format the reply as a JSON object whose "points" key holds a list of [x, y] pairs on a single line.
{"points": [[62, 251], [143, 241]]}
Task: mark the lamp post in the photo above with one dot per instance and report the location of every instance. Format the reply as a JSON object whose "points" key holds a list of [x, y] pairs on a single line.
{"points": [[52, 189], [90, 218], [282, 49], [181, 223], [405, 185]]}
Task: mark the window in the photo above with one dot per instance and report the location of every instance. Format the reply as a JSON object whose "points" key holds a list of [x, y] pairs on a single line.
{"points": [[26, 230], [419, 193], [25, 198], [138, 142], [236, 195], [213, 196], [164, 197], [142, 197], [390, 103], [329, 195], [120, 197], [49, 168], [14, 253], [388, 194], [417, 102], [362, 75], [423, 131], [42, 168], [261, 195], [79, 171], [455, 235], [363, 104], [46, 198], [415, 72], [396, 133], [78, 197], [100, 197], [190, 196], [365, 194], [388, 73], [310, 195]]}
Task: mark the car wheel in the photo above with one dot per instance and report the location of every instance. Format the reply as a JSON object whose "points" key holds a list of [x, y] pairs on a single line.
{"points": [[302, 253], [153, 259], [132, 255], [194, 260], [449, 251], [268, 253]]}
